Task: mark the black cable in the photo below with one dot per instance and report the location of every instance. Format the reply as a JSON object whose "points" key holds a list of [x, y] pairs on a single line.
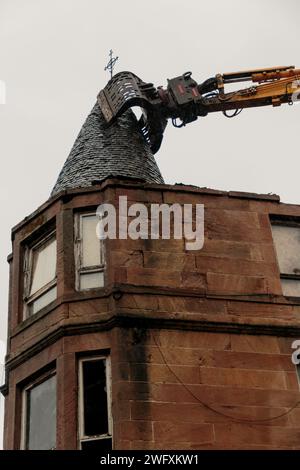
{"points": [[214, 94], [178, 125], [229, 96], [236, 113]]}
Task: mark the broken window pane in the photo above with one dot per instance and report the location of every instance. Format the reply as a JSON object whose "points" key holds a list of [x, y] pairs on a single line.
{"points": [[91, 254], [43, 265], [41, 415], [287, 243], [95, 412]]}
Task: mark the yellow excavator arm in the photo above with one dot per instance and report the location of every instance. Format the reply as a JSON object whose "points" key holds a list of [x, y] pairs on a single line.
{"points": [[185, 100], [276, 86]]}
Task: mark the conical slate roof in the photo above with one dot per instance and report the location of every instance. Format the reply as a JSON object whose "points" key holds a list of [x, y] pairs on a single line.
{"points": [[100, 151]]}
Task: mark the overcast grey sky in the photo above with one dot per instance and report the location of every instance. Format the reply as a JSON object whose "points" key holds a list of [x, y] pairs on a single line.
{"points": [[52, 55]]}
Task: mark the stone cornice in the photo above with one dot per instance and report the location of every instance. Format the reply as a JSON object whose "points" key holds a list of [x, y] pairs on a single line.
{"points": [[118, 290], [135, 321], [68, 194]]}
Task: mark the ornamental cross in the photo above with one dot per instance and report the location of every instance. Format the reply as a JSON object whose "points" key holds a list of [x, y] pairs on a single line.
{"points": [[111, 63]]}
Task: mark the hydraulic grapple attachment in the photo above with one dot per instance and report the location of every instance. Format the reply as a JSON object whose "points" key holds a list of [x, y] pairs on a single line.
{"points": [[125, 90]]}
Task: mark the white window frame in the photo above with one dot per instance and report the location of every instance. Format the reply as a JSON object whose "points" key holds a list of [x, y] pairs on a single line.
{"points": [[33, 384], [28, 275], [109, 435], [80, 269], [285, 223]]}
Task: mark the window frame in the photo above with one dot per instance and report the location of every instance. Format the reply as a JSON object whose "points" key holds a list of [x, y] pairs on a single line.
{"points": [[78, 247], [287, 222], [81, 435], [24, 410], [28, 266]]}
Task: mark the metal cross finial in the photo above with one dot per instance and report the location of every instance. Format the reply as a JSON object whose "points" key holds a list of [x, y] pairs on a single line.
{"points": [[111, 63]]}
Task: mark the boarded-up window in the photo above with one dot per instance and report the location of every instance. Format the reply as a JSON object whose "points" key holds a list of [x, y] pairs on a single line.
{"points": [[40, 274], [287, 244], [39, 415], [95, 422], [89, 256]]}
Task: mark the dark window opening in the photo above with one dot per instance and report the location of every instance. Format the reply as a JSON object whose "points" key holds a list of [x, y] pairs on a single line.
{"points": [[100, 445], [95, 410], [95, 398]]}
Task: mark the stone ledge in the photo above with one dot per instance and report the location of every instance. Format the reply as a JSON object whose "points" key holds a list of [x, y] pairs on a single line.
{"points": [[130, 320]]}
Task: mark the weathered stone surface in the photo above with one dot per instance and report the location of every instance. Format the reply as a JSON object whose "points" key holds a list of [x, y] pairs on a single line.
{"points": [[167, 433], [227, 284]]}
